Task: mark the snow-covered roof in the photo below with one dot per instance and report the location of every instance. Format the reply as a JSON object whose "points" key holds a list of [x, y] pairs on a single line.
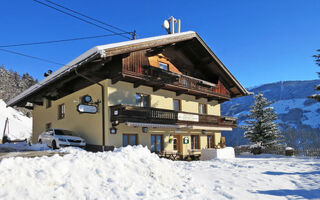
{"points": [[120, 48]]}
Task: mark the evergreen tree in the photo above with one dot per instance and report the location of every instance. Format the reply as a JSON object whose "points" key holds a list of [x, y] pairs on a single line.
{"points": [[317, 60], [261, 128]]}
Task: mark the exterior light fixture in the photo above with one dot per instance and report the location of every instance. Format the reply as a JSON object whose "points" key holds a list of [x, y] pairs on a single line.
{"points": [[86, 99], [113, 130], [116, 112], [203, 132], [144, 129], [115, 123]]}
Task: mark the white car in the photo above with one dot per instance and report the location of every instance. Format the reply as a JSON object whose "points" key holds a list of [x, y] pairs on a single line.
{"points": [[56, 138]]}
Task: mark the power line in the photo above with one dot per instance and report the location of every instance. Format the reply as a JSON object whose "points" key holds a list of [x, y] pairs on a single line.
{"points": [[93, 19], [57, 41], [32, 57], [84, 20]]}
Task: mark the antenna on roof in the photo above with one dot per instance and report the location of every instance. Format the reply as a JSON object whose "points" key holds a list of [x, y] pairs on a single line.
{"points": [[170, 25]]}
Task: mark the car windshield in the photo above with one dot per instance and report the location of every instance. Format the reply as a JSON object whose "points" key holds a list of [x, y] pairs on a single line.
{"points": [[65, 132]]}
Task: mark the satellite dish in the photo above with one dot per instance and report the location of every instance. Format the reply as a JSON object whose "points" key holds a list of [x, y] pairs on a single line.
{"points": [[166, 25]]}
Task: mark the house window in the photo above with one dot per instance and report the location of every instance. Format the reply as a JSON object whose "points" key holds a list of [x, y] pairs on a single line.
{"points": [[48, 126], [163, 66], [61, 111], [143, 100], [129, 139], [202, 108], [48, 103], [210, 141], [156, 143], [195, 142], [177, 104]]}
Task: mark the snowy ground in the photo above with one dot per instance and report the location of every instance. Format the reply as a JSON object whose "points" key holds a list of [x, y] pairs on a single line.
{"points": [[135, 173]]}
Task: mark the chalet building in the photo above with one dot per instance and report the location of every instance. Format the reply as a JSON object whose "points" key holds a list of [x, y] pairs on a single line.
{"points": [[162, 92]]}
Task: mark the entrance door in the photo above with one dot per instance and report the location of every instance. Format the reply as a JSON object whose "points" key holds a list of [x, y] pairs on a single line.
{"points": [[177, 143]]}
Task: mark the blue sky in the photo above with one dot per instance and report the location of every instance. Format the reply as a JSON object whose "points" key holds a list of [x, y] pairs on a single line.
{"points": [[259, 41]]}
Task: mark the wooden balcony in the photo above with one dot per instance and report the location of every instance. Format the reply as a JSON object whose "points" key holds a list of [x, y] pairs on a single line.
{"points": [[179, 83], [124, 113]]}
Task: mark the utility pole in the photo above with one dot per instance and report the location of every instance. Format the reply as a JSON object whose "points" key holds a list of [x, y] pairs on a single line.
{"points": [[134, 35]]}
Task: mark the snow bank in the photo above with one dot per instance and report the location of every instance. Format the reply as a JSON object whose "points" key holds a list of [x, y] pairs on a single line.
{"points": [[224, 153], [20, 126], [127, 173], [22, 146], [135, 173]]}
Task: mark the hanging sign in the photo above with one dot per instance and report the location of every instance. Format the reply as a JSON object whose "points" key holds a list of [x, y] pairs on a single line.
{"points": [[186, 140], [87, 109]]}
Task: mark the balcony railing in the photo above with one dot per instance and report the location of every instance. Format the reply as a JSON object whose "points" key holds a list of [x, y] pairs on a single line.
{"points": [[176, 82], [125, 113]]}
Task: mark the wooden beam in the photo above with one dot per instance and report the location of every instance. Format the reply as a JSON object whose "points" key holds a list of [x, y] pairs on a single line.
{"points": [[156, 88], [155, 51], [201, 96], [213, 98], [138, 83], [116, 79], [178, 93]]}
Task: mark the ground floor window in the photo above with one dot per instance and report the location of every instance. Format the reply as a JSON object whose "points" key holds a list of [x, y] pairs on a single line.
{"points": [[210, 141], [61, 111], [195, 142], [129, 139], [156, 143]]}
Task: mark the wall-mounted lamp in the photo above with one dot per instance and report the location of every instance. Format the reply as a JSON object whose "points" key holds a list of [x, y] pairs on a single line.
{"points": [[145, 129], [203, 132], [115, 123], [113, 130]]}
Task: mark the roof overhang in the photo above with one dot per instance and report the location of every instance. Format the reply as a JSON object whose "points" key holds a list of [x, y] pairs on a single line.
{"points": [[110, 50]]}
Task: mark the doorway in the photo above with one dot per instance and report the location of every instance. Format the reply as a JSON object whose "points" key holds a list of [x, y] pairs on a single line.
{"points": [[177, 143]]}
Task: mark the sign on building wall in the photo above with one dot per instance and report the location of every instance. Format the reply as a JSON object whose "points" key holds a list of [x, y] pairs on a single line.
{"points": [[185, 140], [188, 117], [87, 109]]}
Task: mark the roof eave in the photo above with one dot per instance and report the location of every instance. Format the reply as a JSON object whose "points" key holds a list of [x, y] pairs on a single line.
{"points": [[80, 60], [238, 84]]}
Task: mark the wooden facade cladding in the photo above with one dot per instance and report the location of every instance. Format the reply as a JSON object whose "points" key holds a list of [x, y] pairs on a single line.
{"points": [[124, 113], [136, 68]]}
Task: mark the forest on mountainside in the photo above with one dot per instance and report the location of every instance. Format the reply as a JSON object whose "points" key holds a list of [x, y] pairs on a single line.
{"points": [[12, 84]]}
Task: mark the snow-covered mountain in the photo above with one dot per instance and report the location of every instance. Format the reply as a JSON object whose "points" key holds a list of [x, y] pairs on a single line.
{"points": [[20, 126], [290, 101]]}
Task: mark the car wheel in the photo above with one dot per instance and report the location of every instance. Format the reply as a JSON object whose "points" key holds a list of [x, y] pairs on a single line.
{"points": [[54, 145], [40, 141]]}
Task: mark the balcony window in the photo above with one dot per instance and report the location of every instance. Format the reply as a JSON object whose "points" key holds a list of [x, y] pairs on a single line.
{"points": [[177, 104], [195, 142], [129, 139], [142, 100], [156, 143], [163, 66], [61, 111], [202, 108]]}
